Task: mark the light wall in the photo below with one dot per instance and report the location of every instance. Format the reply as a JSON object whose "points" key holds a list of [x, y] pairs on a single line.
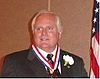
{"points": [[76, 18]]}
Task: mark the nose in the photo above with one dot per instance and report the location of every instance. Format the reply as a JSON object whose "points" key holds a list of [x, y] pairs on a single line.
{"points": [[44, 32]]}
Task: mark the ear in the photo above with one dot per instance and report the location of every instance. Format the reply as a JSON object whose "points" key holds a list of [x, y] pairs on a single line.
{"points": [[33, 32], [60, 33]]}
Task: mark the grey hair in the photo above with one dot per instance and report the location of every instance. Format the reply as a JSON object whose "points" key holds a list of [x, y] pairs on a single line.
{"points": [[58, 21]]}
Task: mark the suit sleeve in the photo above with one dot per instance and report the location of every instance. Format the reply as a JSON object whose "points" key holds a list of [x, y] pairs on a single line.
{"points": [[83, 71], [7, 67]]}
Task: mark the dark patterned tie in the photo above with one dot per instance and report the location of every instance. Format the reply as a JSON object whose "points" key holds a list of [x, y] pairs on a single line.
{"points": [[56, 72], [49, 56]]}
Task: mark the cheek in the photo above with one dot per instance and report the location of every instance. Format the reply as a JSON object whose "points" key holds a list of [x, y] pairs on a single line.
{"points": [[36, 37], [54, 37]]}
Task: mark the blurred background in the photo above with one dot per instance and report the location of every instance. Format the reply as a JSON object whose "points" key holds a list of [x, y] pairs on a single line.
{"points": [[76, 16]]}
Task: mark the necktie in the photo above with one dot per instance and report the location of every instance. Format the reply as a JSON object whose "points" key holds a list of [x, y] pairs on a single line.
{"points": [[49, 56], [56, 72]]}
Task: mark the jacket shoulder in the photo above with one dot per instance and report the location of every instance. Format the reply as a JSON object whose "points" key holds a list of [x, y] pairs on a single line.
{"points": [[16, 56]]}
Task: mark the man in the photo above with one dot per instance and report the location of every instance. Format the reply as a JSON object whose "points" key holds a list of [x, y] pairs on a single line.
{"points": [[44, 59]]}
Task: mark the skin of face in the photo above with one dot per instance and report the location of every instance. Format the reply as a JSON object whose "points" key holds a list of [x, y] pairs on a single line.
{"points": [[45, 33]]}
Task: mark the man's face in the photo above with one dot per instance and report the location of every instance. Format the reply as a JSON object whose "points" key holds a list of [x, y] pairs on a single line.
{"points": [[45, 32]]}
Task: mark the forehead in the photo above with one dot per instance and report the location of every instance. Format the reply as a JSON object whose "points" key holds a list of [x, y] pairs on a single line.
{"points": [[46, 16]]}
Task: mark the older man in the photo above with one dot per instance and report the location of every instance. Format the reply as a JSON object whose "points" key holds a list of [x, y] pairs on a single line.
{"points": [[44, 58]]}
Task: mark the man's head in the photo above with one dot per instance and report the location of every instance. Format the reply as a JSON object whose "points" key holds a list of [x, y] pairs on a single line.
{"points": [[47, 29]]}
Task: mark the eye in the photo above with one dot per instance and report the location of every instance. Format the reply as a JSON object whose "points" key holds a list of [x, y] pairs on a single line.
{"points": [[50, 28], [38, 29]]}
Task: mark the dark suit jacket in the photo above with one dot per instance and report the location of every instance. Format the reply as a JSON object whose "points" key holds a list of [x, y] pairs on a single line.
{"points": [[25, 64]]}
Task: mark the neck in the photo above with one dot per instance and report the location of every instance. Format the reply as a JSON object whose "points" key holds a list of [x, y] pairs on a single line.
{"points": [[48, 50]]}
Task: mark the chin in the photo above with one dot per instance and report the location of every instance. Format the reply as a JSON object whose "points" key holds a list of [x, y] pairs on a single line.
{"points": [[44, 46]]}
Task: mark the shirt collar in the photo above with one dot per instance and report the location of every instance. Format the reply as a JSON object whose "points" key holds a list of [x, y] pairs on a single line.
{"points": [[46, 53]]}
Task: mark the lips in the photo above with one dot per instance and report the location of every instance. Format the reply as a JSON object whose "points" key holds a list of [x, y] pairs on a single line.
{"points": [[44, 38]]}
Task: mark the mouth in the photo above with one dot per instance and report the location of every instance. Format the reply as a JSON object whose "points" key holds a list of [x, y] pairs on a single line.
{"points": [[44, 39]]}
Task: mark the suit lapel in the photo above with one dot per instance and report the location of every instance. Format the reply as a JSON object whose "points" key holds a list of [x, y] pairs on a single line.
{"points": [[65, 71], [36, 65]]}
